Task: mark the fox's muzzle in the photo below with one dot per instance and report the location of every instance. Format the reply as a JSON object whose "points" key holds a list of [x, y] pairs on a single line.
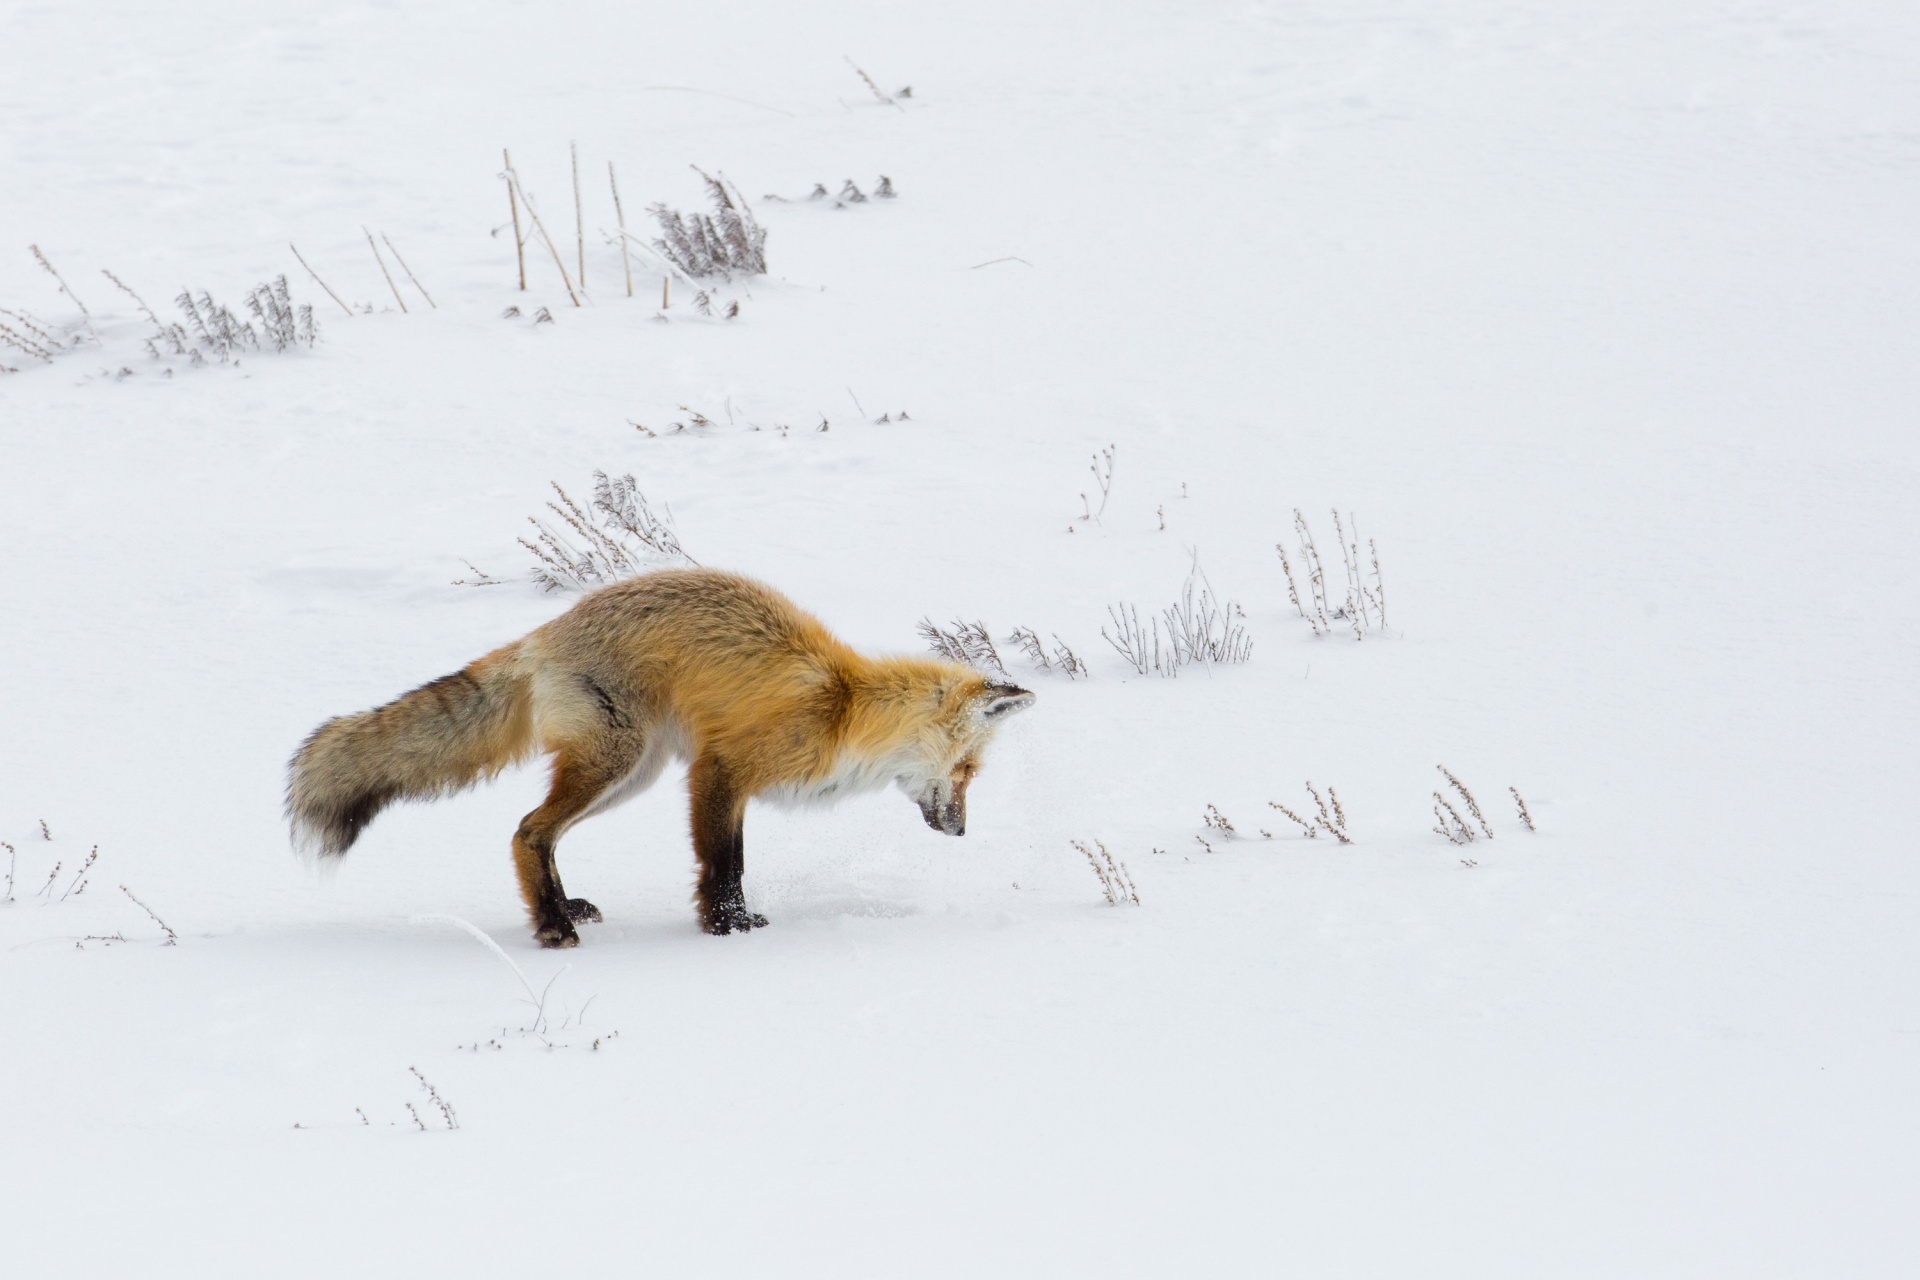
{"points": [[948, 816]]}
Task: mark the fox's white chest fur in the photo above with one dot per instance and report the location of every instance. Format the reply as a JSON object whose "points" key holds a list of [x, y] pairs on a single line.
{"points": [[848, 777]]}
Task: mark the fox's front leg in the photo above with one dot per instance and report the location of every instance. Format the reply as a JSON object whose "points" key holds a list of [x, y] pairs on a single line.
{"points": [[719, 818]]}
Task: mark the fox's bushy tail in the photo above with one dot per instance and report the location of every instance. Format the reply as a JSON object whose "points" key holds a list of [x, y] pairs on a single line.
{"points": [[438, 739]]}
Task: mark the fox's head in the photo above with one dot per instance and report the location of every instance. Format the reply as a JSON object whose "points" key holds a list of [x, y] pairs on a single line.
{"points": [[960, 718]]}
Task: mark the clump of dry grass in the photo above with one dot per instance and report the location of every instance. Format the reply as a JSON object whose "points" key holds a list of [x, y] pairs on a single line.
{"points": [[971, 643], [1329, 816], [1061, 659], [1214, 820], [32, 337], [1200, 629], [968, 643], [725, 242], [617, 535], [1362, 608], [1115, 881], [1449, 823], [213, 333]]}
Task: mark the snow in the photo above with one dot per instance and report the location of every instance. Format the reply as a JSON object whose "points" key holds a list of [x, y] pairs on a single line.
{"points": [[1599, 318]]}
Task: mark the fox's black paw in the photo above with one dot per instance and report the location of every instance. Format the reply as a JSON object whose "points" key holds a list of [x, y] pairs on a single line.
{"points": [[580, 911], [735, 920], [557, 936]]}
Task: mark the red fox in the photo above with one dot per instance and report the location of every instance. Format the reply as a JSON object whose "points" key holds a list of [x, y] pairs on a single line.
{"points": [[715, 669]]}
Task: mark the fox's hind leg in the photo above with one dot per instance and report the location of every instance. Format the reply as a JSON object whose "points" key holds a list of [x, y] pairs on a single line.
{"points": [[580, 779], [719, 817]]}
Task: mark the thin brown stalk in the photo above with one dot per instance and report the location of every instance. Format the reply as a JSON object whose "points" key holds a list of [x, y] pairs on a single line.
{"points": [[877, 91], [1524, 815], [138, 301], [317, 280], [513, 206], [620, 216], [383, 270], [1301, 822], [409, 270], [61, 281], [541, 227], [173, 939], [579, 217]]}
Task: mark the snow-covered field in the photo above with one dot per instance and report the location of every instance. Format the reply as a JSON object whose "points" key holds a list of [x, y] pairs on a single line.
{"points": [[1601, 319]]}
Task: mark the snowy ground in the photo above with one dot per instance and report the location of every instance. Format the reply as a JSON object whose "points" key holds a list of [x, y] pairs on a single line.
{"points": [[1600, 319]]}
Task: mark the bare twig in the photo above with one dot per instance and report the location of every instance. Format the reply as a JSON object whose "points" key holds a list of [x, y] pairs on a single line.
{"points": [[79, 882], [877, 91], [579, 218], [383, 270], [533, 212], [138, 301], [317, 280], [173, 938], [513, 205], [409, 270], [626, 263], [58, 279]]}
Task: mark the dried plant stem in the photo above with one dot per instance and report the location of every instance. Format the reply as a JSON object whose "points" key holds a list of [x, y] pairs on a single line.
{"points": [[1326, 821], [138, 301], [579, 217], [513, 206], [1452, 825], [383, 270], [620, 217], [540, 226], [317, 280], [1115, 882], [665, 301], [877, 91], [1303, 824], [79, 882], [1473, 806], [173, 939], [409, 270], [1379, 587], [445, 1108], [61, 281], [13, 857], [1524, 815]]}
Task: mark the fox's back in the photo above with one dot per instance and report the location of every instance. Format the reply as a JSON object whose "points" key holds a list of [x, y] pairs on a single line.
{"points": [[721, 655]]}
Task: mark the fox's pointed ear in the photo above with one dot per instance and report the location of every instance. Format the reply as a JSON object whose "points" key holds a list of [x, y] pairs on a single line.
{"points": [[1002, 700]]}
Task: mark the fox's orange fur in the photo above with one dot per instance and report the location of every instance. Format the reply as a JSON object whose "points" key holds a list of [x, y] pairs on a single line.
{"points": [[718, 670]]}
